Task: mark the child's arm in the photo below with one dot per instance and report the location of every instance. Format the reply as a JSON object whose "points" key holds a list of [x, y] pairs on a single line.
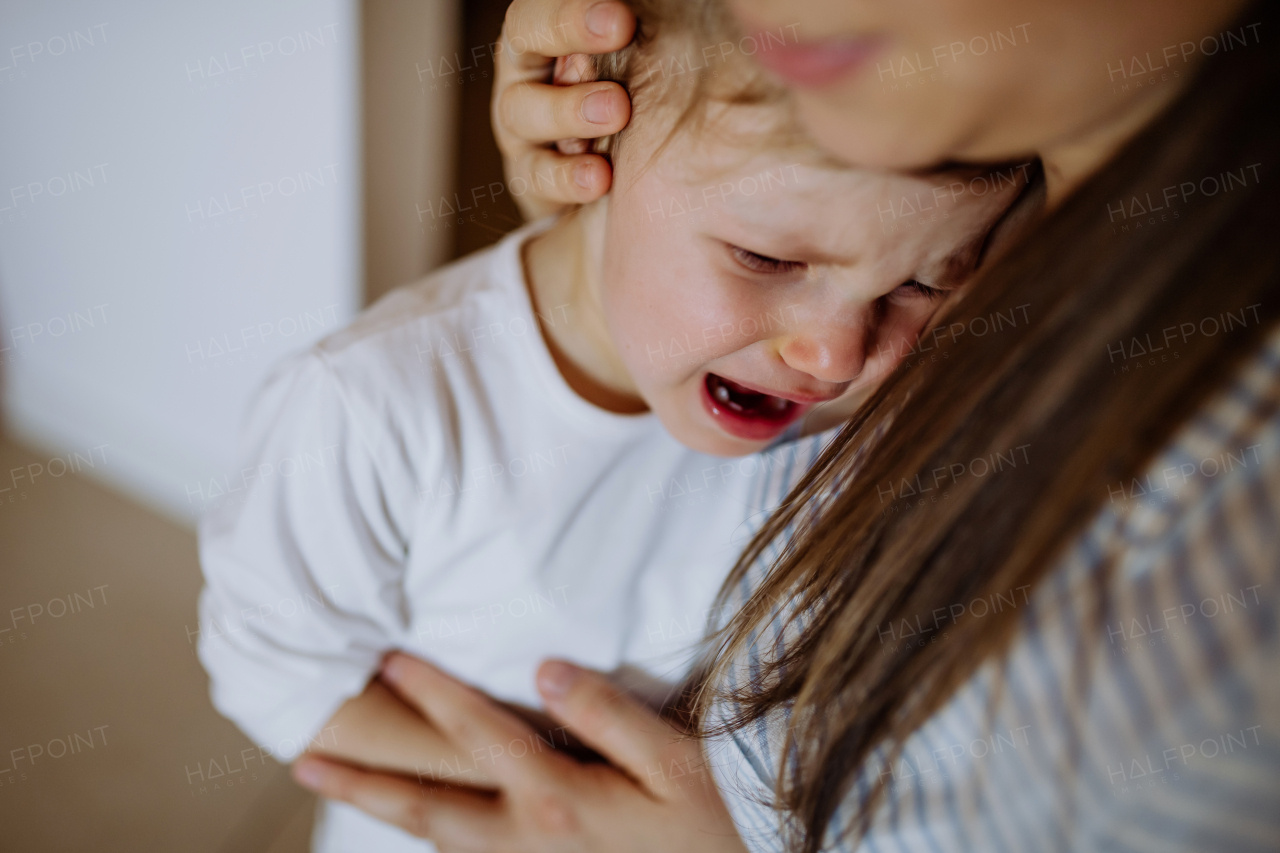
{"points": [[304, 578], [304, 563]]}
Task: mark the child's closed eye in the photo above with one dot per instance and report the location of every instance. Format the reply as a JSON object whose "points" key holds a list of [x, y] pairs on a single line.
{"points": [[913, 288], [756, 262]]}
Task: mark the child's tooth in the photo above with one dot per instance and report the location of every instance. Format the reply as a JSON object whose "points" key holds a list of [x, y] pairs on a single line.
{"points": [[722, 394], [777, 403]]}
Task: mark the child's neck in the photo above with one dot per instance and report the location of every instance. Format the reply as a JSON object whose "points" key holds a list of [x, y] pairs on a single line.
{"points": [[562, 267]]}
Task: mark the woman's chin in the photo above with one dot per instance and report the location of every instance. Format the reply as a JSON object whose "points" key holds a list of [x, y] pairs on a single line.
{"points": [[858, 131]]}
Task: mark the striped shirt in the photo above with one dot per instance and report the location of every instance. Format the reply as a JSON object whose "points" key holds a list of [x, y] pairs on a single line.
{"points": [[1173, 744]]}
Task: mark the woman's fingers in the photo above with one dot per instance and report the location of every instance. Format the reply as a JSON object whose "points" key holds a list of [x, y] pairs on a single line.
{"points": [[536, 30], [540, 112], [527, 113], [564, 178], [497, 741], [454, 818], [621, 729]]}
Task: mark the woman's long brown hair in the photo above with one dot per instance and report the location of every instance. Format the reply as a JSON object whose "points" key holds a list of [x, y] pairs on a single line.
{"points": [[1099, 280]]}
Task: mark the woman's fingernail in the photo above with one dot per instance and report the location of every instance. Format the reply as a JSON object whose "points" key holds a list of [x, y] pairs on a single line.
{"points": [[393, 668], [582, 175], [600, 19], [555, 678], [597, 107], [309, 774]]}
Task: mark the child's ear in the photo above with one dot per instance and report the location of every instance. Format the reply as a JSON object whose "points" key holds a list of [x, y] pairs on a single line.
{"points": [[574, 68]]}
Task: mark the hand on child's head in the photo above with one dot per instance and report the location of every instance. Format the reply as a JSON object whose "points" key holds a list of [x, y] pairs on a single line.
{"points": [[527, 114]]}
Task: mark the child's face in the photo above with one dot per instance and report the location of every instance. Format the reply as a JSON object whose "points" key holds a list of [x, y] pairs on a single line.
{"points": [[747, 291]]}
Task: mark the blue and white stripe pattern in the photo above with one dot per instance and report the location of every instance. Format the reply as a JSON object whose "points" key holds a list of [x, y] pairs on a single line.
{"points": [[1171, 741]]}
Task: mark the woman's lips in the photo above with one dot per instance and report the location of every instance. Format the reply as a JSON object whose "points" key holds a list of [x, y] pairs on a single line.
{"points": [[745, 413], [817, 63]]}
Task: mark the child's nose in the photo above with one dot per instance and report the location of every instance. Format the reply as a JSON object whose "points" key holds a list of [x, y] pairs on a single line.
{"points": [[832, 352]]}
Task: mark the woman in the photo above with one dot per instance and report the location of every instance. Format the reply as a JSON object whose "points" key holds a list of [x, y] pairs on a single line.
{"points": [[1114, 706]]}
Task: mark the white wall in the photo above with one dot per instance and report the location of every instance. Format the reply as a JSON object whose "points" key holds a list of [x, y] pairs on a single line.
{"points": [[179, 206]]}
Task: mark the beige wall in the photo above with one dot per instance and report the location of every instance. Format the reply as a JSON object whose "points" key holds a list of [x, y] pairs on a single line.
{"points": [[409, 136]]}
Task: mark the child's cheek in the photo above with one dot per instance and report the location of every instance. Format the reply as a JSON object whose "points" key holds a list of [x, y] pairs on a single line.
{"points": [[646, 305], [635, 307], [670, 307]]}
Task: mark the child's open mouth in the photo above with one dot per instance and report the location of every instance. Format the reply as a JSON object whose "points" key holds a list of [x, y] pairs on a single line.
{"points": [[748, 414]]}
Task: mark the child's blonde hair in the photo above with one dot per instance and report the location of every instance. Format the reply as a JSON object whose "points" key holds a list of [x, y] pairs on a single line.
{"points": [[660, 67]]}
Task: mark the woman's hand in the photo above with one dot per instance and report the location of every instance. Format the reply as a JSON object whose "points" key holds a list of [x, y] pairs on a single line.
{"points": [[378, 731], [659, 795], [528, 112]]}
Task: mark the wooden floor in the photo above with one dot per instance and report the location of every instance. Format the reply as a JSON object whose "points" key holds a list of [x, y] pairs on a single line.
{"points": [[105, 722]]}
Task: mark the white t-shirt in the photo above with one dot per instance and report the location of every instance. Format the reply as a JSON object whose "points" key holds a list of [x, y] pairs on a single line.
{"points": [[426, 480]]}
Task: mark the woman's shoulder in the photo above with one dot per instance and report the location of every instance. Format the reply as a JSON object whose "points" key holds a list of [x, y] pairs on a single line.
{"points": [[1215, 486], [1175, 713], [1182, 648], [1186, 555]]}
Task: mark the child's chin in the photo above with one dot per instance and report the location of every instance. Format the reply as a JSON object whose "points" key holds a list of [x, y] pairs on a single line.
{"points": [[714, 442]]}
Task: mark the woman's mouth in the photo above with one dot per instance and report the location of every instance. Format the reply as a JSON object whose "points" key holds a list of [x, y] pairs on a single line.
{"points": [[748, 414]]}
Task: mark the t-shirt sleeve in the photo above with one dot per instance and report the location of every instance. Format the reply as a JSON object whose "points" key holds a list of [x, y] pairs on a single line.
{"points": [[303, 558]]}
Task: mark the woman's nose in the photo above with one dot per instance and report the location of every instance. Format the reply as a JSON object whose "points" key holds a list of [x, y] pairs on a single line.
{"points": [[828, 351]]}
